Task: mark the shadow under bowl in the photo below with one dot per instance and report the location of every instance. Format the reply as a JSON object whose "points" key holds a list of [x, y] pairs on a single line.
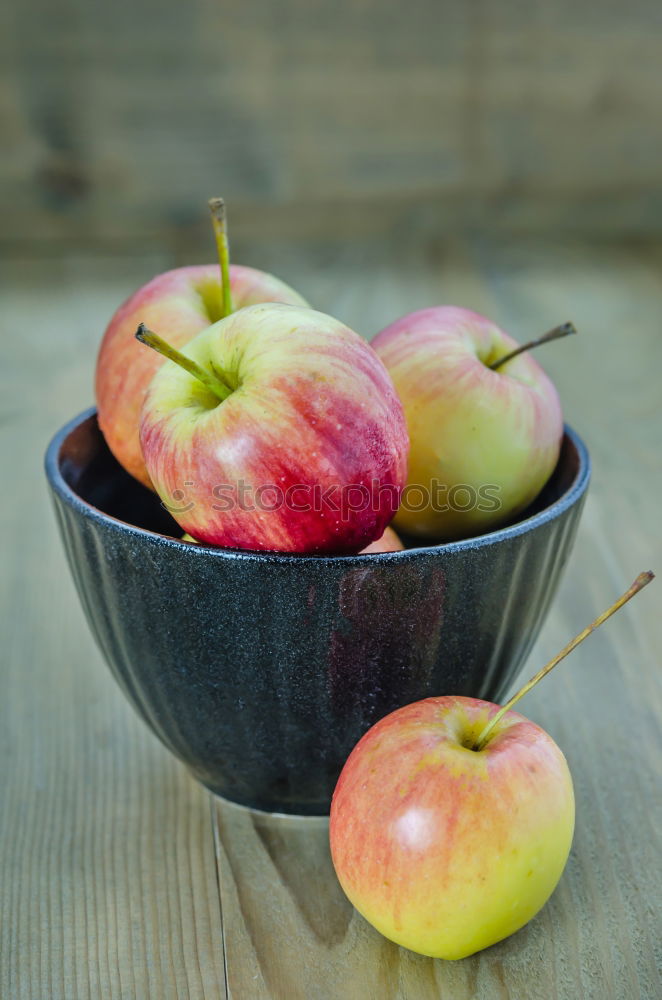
{"points": [[260, 671]]}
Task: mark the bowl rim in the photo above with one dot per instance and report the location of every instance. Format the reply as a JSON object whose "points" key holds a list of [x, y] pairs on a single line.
{"points": [[68, 495]]}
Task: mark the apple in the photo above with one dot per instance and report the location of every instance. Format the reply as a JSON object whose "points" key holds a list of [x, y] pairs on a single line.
{"points": [[278, 428], [443, 849], [452, 819], [389, 542], [179, 303], [484, 421]]}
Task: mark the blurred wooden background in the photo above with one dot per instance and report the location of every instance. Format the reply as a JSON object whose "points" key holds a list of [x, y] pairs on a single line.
{"points": [[120, 119]]}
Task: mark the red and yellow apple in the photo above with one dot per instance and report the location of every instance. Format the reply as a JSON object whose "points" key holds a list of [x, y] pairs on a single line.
{"points": [[483, 442], [446, 849], [179, 304], [288, 437]]}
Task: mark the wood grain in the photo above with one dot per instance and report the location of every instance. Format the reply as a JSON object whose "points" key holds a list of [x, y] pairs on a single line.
{"points": [[120, 122], [107, 881], [121, 878]]}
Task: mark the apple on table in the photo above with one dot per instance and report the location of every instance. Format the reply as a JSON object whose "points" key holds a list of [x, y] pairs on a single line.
{"points": [[443, 849], [452, 819]]}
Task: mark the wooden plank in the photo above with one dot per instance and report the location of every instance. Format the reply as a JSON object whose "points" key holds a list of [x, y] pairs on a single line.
{"points": [[107, 882], [119, 125]]}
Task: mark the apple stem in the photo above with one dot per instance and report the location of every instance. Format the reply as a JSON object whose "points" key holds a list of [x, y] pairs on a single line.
{"points": [[218, 221], [212, 382], [563, 330], [642, 580]]}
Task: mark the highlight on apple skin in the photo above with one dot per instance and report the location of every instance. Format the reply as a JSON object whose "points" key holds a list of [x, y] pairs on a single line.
{"points": [[444, 849], [311, 426], [179, 304], [470, 427]]}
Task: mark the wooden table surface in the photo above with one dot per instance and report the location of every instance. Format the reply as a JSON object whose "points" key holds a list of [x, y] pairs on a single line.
{"points": [[122, 878]]}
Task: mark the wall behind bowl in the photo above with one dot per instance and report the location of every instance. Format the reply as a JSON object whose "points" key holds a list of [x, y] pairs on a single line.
{"points": [[120, 119]]}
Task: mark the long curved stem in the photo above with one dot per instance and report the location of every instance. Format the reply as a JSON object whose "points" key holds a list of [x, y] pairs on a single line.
{"points": [[563, 330], [642, 580]]}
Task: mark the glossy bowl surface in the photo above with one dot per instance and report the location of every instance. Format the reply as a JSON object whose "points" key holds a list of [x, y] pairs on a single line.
{"points": [[261, 671]]}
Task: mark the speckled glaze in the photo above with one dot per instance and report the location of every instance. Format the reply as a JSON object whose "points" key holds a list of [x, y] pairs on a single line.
{"points": [[261, 671]]}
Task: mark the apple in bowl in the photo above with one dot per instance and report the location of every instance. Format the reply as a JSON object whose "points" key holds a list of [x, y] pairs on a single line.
{"points": [[388, 542], [484, 421], [179, 303], [278, 429]]}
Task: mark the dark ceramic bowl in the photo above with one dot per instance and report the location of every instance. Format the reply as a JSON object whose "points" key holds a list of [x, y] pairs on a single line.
{"points": [[261, 671]]}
